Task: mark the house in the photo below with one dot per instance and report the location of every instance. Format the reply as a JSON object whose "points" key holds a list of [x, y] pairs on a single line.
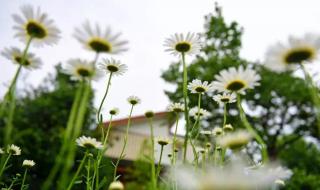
{"points": [[139, 138]]}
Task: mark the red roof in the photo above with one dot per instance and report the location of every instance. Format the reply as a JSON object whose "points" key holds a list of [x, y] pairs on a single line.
{"points": [[136, 119]]}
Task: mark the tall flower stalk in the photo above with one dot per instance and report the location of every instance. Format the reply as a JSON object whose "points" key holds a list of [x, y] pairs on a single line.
{"points": [[182, 45], [11, 99], [125, 140], [149, 115], [133, 100], [314, 94], [248, 126]]}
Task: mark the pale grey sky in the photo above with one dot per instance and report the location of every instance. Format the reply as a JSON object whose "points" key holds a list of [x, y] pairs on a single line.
{"points": [[145, 24]]}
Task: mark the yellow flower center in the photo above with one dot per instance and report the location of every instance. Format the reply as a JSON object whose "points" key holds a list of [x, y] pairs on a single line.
{"points": [[112, 68], [83, 72], [236, 85], [200, 89], [225, 99], [183, 47], [35, 29], [19, 60], [299, 55], [100, 45]]}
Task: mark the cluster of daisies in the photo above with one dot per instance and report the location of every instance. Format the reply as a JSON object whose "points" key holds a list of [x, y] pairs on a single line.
{"points": [[35, 29], [14, 150]]}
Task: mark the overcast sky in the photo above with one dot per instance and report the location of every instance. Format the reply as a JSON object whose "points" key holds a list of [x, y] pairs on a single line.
{"points": [[145, 24]]}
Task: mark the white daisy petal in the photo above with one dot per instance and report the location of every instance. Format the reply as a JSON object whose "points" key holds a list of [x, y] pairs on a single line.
{"points": [[99, 40], [36, 25], [15, 55], [178, 44]]}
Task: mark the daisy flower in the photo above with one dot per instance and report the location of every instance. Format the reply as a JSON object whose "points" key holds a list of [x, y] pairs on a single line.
{"points": [[15, 55], [14, 150], [88, 142], [236, 80], [163, 141], [113, 66], [228, 127], [221, 99], [28, 163], [206, 132], [149, 114], [235, 140], [178, 44], [176, 107], [36, 25], [100, 40], [203, 114], [114, 111], [1, 151], [133, 100], [81, 69], [116, 185], [196, 86], [217, 131], [285, 57]]}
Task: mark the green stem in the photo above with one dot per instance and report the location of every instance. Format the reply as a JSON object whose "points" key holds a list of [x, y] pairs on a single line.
{"points": [[186, 112], [257, 137], [69, 160], [24, 179], [153, 169], [223, 151], [67, 136], [99, 118], [100, 155], [159, 163], [4, 165], [88, 175], [174, 140], [196, 126], [10, 98], [78, 171], [314, 95], [124, 145], [203, 161]]}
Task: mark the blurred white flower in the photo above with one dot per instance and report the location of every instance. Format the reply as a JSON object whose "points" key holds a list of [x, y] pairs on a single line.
{"points": [[15, 55], [36, 25], [196, 86], [80, 69], [162, 140], [236, 80], [113, 66], [202, 113], [285, 57], [116, 185], [221, 99], [234, 140], [133, 100], [217, 131], [88, 142], [101, 41], [233, 176], [28, 163], [14, 150], [178, 44], [176, 107], [114, 111]]}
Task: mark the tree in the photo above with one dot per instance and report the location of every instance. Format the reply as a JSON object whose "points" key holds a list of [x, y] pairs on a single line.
{"points": [[280, 109], [39, 124]]}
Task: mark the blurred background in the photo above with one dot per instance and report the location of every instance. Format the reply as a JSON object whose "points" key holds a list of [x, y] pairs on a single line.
{"points": [[234, 33]]}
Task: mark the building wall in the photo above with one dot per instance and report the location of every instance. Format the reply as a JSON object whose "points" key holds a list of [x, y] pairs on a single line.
{"points": [[139, 141]]}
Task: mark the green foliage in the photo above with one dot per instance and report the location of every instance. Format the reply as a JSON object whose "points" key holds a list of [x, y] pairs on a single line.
{"points": [[280, 109], [304, 159], [39, 122]]}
